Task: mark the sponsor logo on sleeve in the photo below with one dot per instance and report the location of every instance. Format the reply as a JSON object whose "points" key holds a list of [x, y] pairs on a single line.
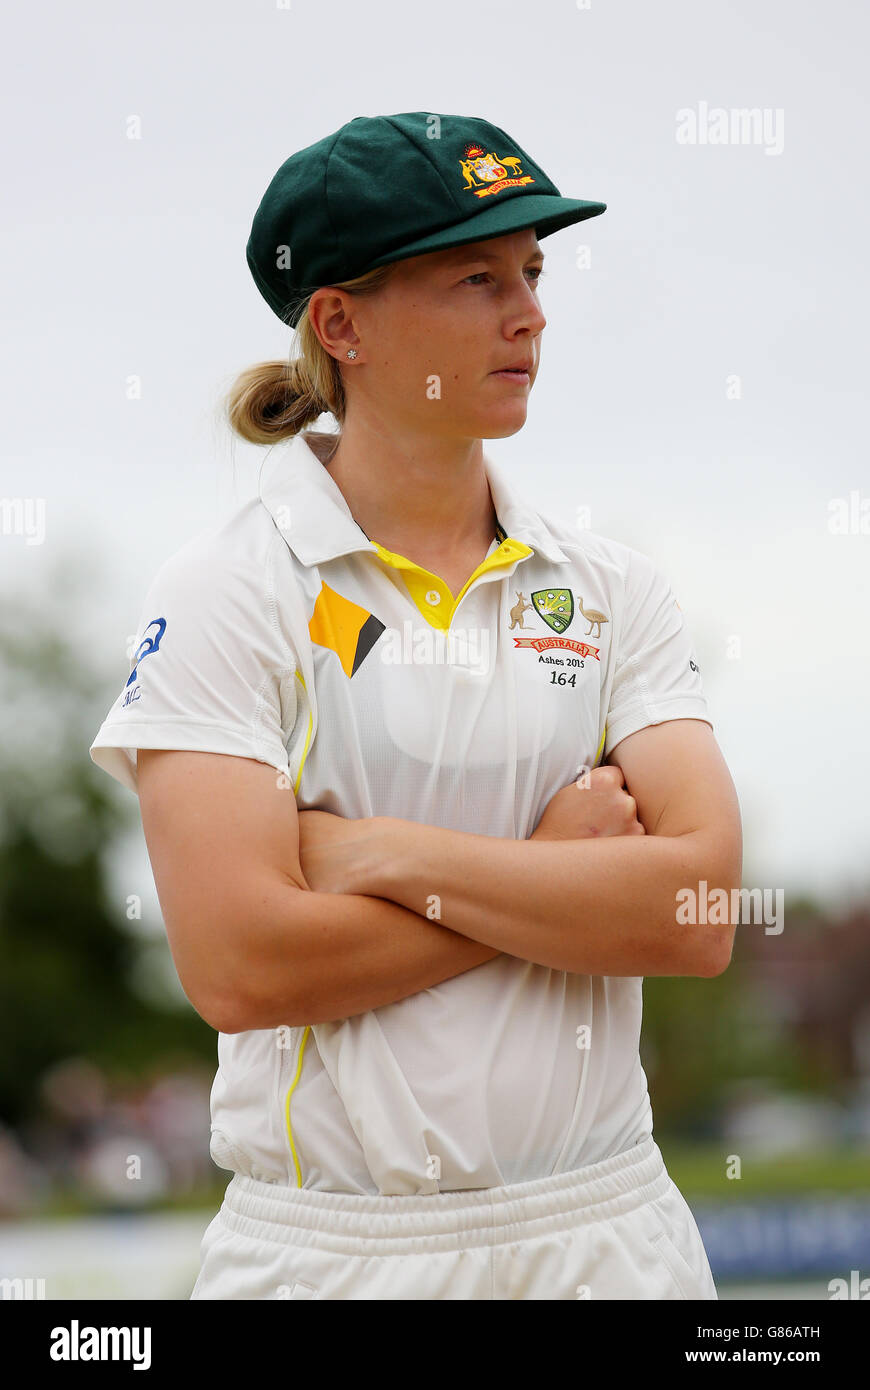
{"points": [[148, 645]]}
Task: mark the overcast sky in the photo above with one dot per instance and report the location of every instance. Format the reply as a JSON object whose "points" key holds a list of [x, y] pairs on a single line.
{"points": [[703, 382]]}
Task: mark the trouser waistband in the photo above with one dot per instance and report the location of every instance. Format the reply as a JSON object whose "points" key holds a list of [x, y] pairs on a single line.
{"points": [[355, 1224]]}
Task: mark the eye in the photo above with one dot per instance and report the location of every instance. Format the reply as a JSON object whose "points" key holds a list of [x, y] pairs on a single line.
{"points": [[534, 270]]}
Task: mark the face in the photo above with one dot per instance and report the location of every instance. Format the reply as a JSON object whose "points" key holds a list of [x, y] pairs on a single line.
{"points": [[430, 343]]}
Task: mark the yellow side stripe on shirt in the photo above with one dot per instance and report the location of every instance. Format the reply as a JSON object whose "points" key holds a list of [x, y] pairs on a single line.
{"points": [[301, 679], [600, 746], [287, 1106]]}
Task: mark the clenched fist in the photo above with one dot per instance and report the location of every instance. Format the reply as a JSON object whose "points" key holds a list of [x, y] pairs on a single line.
{"points": [[579, 812]]}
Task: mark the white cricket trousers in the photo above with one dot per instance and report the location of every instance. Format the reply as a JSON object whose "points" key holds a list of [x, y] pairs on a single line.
{"points": [[619, 1229]]}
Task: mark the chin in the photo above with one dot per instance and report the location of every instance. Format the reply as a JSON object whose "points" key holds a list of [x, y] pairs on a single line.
{"points": [[502, 428]]}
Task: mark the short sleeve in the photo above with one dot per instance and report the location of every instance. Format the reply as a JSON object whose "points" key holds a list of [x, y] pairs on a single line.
{"points": [[212, 670], [656, 676]]}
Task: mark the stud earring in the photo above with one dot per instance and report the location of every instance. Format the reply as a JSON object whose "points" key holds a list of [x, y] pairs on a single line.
{"points": [[351, 352]]}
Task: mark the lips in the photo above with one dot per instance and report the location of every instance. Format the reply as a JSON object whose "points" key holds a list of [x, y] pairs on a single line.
{"points": [[520, 376]]}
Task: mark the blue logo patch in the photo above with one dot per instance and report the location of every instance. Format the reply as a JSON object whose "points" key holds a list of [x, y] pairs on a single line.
{"points": [[148, 645]]}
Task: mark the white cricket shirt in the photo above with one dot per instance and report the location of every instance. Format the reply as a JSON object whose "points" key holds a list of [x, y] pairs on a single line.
{"points": [[287, 636]]}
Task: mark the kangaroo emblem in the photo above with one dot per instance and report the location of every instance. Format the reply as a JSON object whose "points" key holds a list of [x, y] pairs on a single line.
{"points": [[517, 611]]}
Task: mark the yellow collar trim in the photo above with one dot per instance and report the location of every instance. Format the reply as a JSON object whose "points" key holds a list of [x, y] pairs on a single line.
{"points": [[429, 592]]}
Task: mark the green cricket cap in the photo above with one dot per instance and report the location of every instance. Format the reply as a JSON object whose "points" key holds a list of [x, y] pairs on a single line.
{"points": [[382, 188]]}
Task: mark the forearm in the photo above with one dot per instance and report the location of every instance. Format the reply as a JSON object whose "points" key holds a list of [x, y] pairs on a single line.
{"points": [[312, 957], [594, 907]]}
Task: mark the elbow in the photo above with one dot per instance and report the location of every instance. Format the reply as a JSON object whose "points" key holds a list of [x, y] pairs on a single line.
{"points": [[219, 990], [704, 951], [243, 1012], [248, 1005], [258, 977], [717, 957], [224, 1011], [708, 910], [716, 944], [232, 1017]]}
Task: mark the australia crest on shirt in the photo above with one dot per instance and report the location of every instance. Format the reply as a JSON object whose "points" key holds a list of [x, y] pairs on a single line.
{"points": [[557, 608]]}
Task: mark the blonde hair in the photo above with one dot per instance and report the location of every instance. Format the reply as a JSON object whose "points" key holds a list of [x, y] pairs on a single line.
{"points": [[275, 400]]}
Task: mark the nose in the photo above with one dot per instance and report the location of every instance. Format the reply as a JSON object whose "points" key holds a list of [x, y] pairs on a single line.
{"points": [[532, 316]]}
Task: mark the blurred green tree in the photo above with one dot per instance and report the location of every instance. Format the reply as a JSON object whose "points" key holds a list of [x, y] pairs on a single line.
{"points": [[69, 961]]}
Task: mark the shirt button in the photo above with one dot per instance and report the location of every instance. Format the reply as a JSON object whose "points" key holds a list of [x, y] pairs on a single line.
{"points": [[433, 597]]}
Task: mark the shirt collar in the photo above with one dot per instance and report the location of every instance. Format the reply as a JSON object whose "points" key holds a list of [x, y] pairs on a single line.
{"points": [[311, 513]]}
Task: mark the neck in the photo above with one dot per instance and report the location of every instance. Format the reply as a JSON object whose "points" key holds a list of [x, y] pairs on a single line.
{"points": [[409, 492]]}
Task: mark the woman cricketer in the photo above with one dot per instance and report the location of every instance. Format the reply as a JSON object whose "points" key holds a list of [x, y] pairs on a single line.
{"points": [[367, 720]]}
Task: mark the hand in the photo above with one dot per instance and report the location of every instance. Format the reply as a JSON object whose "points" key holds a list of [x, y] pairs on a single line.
{"points": [[581, 813], [330, 851]]}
